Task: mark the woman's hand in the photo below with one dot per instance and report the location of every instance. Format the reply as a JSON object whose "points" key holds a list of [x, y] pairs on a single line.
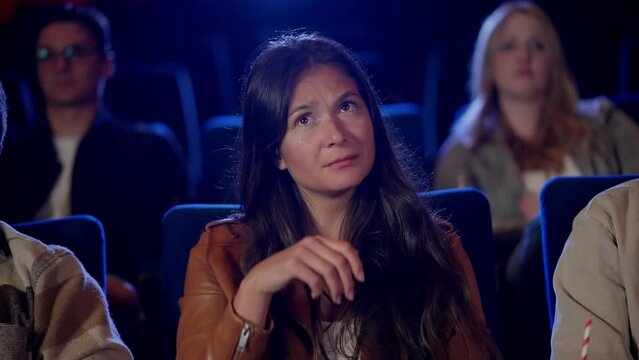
{"points": [[529, 206], [325, 265]]}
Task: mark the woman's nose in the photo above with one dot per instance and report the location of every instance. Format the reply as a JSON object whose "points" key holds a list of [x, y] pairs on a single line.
{"points": [[524, 52], [334, 131]]}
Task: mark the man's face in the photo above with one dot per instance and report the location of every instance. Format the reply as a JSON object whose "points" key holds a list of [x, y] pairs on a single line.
{"points": [[71, 68]]}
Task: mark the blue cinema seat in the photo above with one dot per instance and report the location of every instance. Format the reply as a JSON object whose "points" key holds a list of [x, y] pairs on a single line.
{"points": [[150, 91], [181, 229], [219, 135], [82, 234], [629, 103], [466, 209], [406, 122]]}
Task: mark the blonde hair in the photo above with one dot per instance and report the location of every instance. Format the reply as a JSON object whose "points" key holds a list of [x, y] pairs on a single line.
{"points": [[559, 118]]}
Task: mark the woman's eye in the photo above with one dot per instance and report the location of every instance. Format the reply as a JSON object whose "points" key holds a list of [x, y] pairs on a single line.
{"points": [[347, 106], [538, 46], [507, 46], [303, 121]]}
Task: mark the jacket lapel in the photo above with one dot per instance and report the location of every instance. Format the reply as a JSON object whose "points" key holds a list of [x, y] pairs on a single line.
{"points": [[300, 314]]}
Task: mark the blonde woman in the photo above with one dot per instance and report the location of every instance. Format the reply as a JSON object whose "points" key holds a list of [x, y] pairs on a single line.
{"points": [[525, 124]]}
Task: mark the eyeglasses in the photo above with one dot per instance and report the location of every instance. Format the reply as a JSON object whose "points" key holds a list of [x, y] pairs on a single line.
{"points": [[68, 52]]}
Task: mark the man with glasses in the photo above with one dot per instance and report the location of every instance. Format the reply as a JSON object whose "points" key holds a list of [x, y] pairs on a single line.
{"points": [[81, 159]]}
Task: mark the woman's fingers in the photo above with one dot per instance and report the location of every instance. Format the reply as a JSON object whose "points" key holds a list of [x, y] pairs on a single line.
{"points": [[311, 278], [322, 262], [343, 257], [347, 251], [462, 181], [529, 206], [324, 265], [336, 266]]}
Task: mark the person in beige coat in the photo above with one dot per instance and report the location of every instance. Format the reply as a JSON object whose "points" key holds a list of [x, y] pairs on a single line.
{"points": [[597, 278]]}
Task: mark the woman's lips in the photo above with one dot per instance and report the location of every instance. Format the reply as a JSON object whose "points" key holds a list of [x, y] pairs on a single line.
{"points": [[341, 162], [524, 72]]}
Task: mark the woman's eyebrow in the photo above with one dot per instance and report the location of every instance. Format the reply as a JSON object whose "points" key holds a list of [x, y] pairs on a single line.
{"points": [[348, 94], [304, 106]]}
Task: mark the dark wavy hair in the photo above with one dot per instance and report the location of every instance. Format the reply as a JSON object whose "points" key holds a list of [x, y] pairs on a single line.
{"points": [[414, 298]]}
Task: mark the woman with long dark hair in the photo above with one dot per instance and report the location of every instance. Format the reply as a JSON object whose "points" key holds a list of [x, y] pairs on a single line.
{"points": [[335, 256]]}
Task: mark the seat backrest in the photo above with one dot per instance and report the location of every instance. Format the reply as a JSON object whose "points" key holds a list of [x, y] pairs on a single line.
{"points": [[467, 209], [82, 234], [163, 92], [219, 136], [20, 105], [181, 229], [561, 199], [629, 103], [405, 120], [406, 123]]}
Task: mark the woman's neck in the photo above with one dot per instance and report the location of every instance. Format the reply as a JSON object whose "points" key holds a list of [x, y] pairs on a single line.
{"points": [[523, 116], [328, 213]]}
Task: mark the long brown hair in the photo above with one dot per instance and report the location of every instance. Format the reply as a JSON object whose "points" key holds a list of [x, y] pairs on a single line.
{"points": [[394, 311], [559, 126]]}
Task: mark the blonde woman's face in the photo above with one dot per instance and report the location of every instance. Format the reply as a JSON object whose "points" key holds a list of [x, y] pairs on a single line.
{"points": [[521, 60]]}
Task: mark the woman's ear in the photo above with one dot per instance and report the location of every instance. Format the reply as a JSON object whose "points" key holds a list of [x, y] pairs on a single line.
{"points": [[279, 161]]}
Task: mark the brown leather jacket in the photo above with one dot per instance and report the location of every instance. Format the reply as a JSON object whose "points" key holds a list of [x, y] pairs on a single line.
{"points": [[209, 328]]}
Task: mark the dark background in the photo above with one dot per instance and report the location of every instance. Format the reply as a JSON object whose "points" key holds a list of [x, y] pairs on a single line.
{"points": [[415, 51]]}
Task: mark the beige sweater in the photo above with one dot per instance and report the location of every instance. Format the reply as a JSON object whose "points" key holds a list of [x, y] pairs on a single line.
{"points": [[50, 308], [597, 278]]}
